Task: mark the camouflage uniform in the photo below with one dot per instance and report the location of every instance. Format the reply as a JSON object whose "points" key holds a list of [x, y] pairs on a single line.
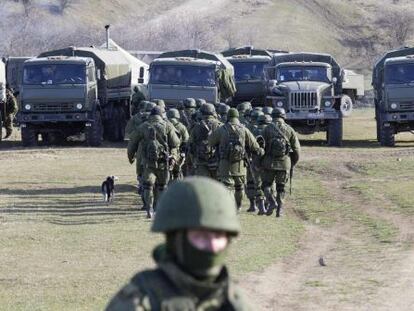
{"points": [[188, 111], [158, 138], [8, 111], [276, 169], [182, 281], [136, 99], [233, 140], [223, 109], [205, 159], [244, 110]]}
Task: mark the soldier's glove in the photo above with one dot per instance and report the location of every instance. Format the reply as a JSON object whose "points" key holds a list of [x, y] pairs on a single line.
{"points": [[260, 152], [294, 158]]}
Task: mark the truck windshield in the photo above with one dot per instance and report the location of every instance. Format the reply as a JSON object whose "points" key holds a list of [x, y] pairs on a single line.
{"points": [[248, 71], [54, 74], [313, 73], [399, 73], [182, 75]]}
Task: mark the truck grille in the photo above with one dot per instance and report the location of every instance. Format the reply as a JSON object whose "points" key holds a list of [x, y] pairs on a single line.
{"points": [[303, 100], [60, 107], [407, 105]]}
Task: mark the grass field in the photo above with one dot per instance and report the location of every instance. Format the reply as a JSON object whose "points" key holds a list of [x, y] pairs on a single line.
{"points": [[63, 249]]}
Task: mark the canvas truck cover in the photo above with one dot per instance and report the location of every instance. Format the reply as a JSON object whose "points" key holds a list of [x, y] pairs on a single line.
{"points": [[2, 81], [377, 76], [226, 71], [246, 50], [310, 57]]}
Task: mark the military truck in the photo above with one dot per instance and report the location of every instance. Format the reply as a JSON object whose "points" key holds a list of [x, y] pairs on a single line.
{"points": [[177, 75], [310, 88], [73, 90], [2, 95], [393, 82], [250, 73]]}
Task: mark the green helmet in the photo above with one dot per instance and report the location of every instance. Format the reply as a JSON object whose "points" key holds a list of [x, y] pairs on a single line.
{"points": [[207, 109], [264, 119], [189, 103], [223, 108], [255, 114], [279, 113], [244, 106], [233, 113], [173, 114], [258, 108], [136, 89], [196, 202], [160, 103], [199, 102], [149, 106], [268, 110]]}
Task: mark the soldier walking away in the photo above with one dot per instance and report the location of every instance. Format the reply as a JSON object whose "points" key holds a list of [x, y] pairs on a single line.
{"points": [[8, 110], [189, 109], [203, 156], [158, 138], [282, 151], [233, 140], [222, 110], [136, 99], [198, 224], [180, 156], [244, 110]]}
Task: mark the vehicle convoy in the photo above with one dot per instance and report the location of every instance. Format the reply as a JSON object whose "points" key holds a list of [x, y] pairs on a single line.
{"points": [[73, 90], [177, 75], [310, 87], [393, 82], [249, 71]]}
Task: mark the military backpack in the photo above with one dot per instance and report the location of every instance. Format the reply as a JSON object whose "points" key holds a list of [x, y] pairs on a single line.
{"points": [[279, 145], [233, 146], [156, 149]]}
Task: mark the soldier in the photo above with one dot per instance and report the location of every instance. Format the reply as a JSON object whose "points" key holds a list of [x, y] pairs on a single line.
{"points": [[233, 140], [158, 137], [244, 110], [136, 99], [267, 110], [204, 157], [282, 151], [174, 117], [8, 111], [197, 219], [223, 109], [138, 117], [189, 110], [199, 102]]}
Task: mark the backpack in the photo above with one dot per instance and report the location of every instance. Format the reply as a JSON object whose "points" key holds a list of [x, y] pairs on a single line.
{"points": [[233, 146], [279, 145], [204, 151], [156, 151]]}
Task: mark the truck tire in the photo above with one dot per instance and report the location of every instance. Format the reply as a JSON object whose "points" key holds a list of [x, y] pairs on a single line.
{"points": [[93, 133], [387, 135], [346, 106], [29, 136], [335, 132]]}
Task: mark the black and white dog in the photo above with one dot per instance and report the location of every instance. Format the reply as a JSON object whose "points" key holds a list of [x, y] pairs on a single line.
{"points": [[108, 188]]}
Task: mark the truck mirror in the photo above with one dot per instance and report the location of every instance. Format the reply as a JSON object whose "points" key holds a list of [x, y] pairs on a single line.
{"points": [[141, 73]]}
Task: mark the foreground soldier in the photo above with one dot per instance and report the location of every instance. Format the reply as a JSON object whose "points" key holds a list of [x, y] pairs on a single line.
{"points": [[198, 217], [282, 151], [158, 138], [233, 140]]}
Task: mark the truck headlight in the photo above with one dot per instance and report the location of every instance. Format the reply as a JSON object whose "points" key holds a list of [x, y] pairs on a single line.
{"points": [[327, 104], [279, 104], [27, 107], [394, 106], [79, 106]]}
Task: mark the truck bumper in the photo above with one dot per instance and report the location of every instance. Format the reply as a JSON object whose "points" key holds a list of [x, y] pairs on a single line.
{"points": [[303, 115], [53, 117], [399, 117]]}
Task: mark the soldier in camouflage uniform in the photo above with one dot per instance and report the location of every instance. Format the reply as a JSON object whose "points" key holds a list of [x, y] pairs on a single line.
{"points": [[136, 99], [158, 139], [267, 110], [189, 109], [138, 117], [174, 117], [197, 219], [244, 110], [282, 151], [204, 157], [7, 112], [233, 140], [199, 102], [223, 109]]}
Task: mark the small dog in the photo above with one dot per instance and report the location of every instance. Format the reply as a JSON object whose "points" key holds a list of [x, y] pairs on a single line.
{"points": [[108, 188]]}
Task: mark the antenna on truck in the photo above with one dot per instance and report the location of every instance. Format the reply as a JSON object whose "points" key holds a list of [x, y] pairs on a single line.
{"points": [[107, 36]]}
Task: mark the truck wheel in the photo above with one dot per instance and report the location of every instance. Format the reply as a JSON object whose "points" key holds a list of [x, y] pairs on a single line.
{"points": [[346, 106], [334, 132], [387, 135], [29, 136], [93, 133], [115, 130]]}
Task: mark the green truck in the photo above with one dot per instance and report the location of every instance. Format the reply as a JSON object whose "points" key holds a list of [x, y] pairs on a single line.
{"points": [[250, 73], [2, 95], [78, 90], [310, 87], [393, 82], [177, 75]]}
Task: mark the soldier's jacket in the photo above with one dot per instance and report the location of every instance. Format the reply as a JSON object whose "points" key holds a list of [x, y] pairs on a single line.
{"points": [[220, 138], [182, 134], [137, 97], [186, 117], [168, 288], [257, 131], [198, 139], [167, 137], [133, 123], [243, 120], [11, 104], [283, 163]]}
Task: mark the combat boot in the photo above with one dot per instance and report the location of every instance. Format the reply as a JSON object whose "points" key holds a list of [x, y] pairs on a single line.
{"points": [[272, 206], [8, 133], [279, 210], [279, 204], [150, 213], [261, 206], [252, 207]]}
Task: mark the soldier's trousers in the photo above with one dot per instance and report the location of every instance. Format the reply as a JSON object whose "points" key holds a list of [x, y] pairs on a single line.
{"points": [[236, 185], [154, 183], [204, 170], [8, 123], [278, 177], [254, 184]]}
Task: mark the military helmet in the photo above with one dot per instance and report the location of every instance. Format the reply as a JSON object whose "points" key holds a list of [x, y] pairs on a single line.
{"points": [[223, 108], [279, 113], [149, 106], [255, 114], [159, 103], [258, 108], [142, 104], [136, 89], [196, 203], [207, 109], [199, 102], [233, 113], [189, 103], [264, 119], [173, 114], [157, 111], [267, 110], [244, 106]]}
